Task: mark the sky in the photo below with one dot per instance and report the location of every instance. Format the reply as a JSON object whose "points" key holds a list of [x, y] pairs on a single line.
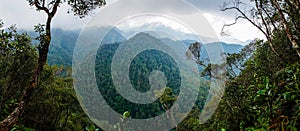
{"points": [[24, 16]]}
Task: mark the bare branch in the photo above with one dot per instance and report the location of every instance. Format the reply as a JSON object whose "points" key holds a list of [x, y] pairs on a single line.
{"points": [[43, 3], [243, 15], [231, 24], [39, 7], [259, 7], [287, 28], [269, 17]]}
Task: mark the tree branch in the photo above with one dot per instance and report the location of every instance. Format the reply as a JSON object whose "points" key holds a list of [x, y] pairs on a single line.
{"points": [[55, 6], [259, 7], [287, 28], [254, 24], [294, 11], [39, 7], [231, 24], [269, 17]]}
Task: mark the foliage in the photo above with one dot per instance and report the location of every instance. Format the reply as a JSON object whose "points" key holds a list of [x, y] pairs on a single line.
{"points": [[144, 64], [17, 60], [270, 17], [262, 89], [265, 94], [54, 106], [78, 7]]}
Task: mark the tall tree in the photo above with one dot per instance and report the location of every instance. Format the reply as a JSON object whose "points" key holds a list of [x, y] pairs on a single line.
{"points": [[80, 8], [269, 16], [17, 61]]}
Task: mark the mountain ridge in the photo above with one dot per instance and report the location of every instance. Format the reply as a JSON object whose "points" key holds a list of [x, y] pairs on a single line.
{"points": [[64, 41]]}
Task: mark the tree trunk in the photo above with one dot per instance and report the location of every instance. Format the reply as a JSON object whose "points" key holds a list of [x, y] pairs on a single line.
{"points": [[287, 28], [26, 97], [298, 51]]}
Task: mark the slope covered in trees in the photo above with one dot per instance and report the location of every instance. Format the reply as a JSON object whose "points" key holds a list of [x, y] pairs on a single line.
{"points": [[262, 87], [262, 91]]}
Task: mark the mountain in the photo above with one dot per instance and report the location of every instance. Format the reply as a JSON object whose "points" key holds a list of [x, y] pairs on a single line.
{"points": [[62, 46], [141, 69], [161, 30], [228, 48], [158, 30], [63, 42]]}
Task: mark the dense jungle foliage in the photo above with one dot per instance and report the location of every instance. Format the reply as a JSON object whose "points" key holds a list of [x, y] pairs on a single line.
{"points": [[262, 88]]}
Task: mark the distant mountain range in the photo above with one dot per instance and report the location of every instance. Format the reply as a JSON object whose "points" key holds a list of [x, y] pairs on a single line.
{"points": [[64, 41]]}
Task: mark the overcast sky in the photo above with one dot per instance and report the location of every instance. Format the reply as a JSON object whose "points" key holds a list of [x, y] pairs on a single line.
{"points": [[24, 16]]}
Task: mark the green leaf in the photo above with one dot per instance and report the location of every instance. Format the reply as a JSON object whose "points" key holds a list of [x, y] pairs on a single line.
{"points": [[293, 97], [261, 92], [126, 114], [286, 95]]}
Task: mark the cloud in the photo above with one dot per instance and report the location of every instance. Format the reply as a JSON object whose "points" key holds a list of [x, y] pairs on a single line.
{"points": [[214, 6], [207, 5], [172, 6], [152, 22], [242, 31], [25, 17], [19, 13]]}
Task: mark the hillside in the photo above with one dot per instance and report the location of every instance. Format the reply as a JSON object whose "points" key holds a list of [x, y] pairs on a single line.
{"points": [[64, 41]]}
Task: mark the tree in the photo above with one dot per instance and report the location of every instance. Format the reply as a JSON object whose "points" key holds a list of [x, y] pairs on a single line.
{"points": [[17, 61], [263, 94], [80, 8], [54, 105], [270, 16]]}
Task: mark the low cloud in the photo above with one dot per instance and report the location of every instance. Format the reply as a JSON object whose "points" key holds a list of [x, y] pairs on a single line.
{"points": [[25, 17]]}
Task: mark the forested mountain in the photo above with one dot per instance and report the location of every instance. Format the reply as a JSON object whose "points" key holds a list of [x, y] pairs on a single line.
{"points": [[140, 69], [255, 87], [248, 93], [62, 46], [140, 72], [228, 48], [64, 41]]}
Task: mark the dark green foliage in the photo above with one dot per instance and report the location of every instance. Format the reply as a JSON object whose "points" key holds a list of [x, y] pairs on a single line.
{"points": [[144, 63], [63, 43], [17, 61], [54, 105], [262, 89], [80, 8], [265, 95], [62, 46]]}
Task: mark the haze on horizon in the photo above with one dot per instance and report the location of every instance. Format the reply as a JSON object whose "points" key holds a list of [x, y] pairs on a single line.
{"points": [[25, 17]]}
